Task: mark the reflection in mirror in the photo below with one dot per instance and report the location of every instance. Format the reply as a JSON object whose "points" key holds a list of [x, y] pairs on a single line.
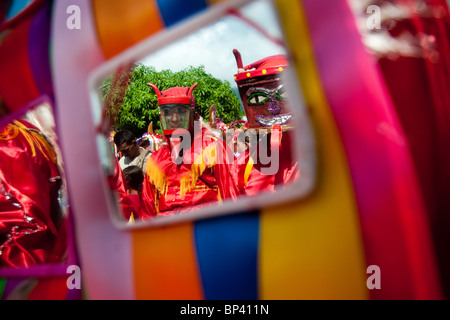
{"points": [[202, 121], [33, 196]]}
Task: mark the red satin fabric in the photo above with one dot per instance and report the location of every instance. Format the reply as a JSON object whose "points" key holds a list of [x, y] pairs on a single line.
{"points": [[31, 229], [214, 183]]}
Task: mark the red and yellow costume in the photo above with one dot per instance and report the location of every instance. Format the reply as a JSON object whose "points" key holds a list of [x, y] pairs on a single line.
{"points": [[263, 96], [199, 180], [251, 181], [202, 178], [32, 230]]}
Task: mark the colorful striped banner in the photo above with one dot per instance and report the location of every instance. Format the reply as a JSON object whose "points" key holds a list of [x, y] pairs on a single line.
{"points": [[366, 207], [173, 11], [165, 263], [312, 248], [393, 224], [120, 25], [227, 252]]}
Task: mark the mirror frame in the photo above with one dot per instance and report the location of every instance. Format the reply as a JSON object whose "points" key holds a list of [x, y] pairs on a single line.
{"points": [[304, 145]]}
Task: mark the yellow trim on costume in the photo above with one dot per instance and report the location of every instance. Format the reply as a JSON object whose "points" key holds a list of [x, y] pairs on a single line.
{"points": [[157, 202], [9, 133], [219, 197], [189, 180], [156, 177], [204, 188], [33, 138], [248, 169]]}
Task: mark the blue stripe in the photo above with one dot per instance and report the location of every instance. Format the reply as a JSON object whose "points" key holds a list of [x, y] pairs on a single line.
{"points": [[173, 11], [227, 252], [16, 7]]}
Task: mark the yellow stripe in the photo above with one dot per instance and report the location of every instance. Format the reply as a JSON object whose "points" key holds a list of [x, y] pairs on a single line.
{"points": [[312, 248]]}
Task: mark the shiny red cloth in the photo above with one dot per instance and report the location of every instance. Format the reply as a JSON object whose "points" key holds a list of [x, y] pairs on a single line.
{"points": [[255, 181], [420, 90], [170, 188], [31, 229]]}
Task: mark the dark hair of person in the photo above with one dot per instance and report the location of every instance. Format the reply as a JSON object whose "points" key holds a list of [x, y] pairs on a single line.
{"points": [[134, 177], [124, 136]]}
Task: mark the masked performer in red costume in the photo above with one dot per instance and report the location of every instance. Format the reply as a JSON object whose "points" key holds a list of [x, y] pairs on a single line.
{"points": [[32, 228], [183, 175], [269, 127]]}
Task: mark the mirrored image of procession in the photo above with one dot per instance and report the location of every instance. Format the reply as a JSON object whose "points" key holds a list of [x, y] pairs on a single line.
{"points": [[205, 121]]}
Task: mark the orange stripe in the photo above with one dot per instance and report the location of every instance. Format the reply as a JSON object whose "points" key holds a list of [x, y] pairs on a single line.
{"points": [[121, 24], [165, 264]]}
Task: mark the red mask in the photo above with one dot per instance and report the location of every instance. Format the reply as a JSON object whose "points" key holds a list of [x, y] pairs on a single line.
{"points": [[262, 91], [176, 108]]}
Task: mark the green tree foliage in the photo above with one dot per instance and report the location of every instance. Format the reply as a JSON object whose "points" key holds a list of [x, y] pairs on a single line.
{"points": [[136, 107]]}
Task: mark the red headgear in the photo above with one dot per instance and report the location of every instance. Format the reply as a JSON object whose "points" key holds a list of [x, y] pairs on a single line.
{"points": [[175, 95], [264, 67], [262, 91]]}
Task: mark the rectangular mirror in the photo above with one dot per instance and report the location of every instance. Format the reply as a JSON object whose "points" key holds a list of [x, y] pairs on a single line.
{"points": [[204, 118]]}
